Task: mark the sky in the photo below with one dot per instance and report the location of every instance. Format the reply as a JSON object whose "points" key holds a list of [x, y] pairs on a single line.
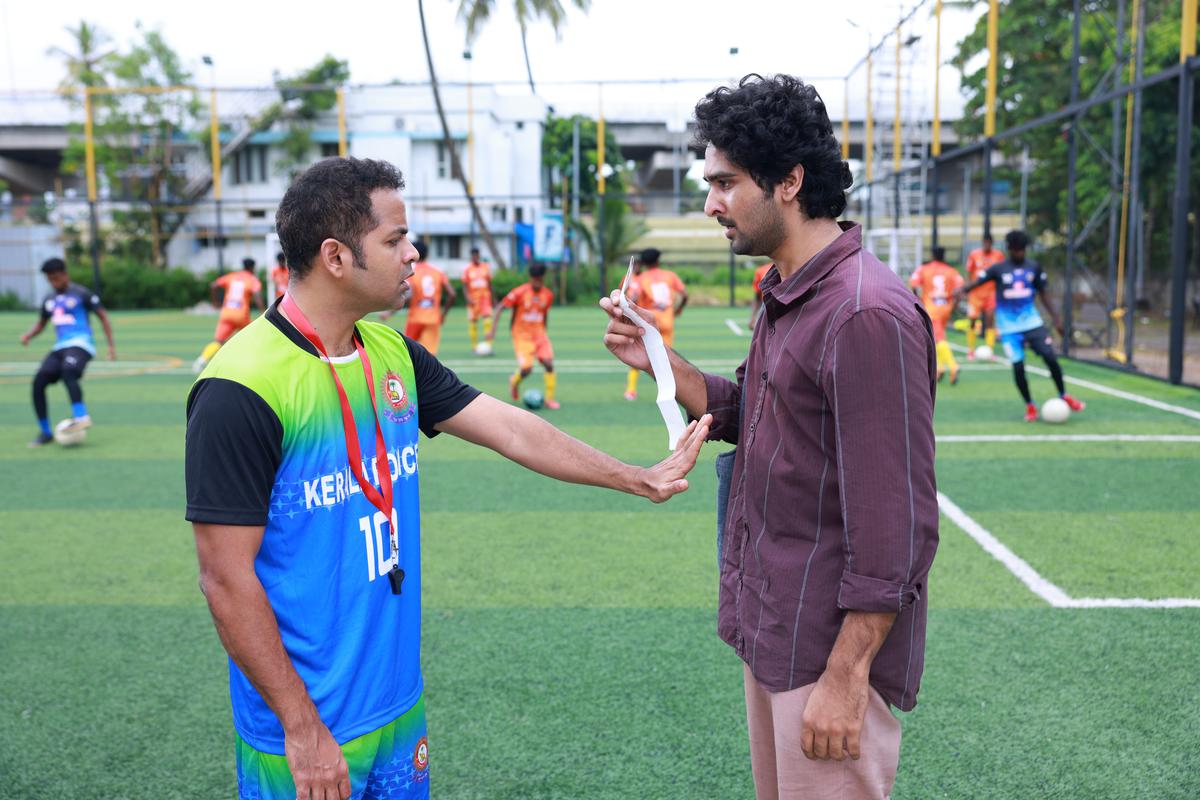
{"points": [[661, 40]]}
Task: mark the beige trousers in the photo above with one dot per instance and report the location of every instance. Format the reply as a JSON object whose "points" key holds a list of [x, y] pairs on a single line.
{"points": [[783, 772]]}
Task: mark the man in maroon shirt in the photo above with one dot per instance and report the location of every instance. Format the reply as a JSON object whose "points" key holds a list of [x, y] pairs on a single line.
{"points": [[832, 515]]}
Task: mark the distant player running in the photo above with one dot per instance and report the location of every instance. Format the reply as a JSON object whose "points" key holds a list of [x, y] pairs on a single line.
{"points": [[241, 290], [67, 307], [981, 303], [477, 285], [936, 282], [757, 303], [530, 303], [426, 309], [279, 275], [661, 291], [1017, 281]]}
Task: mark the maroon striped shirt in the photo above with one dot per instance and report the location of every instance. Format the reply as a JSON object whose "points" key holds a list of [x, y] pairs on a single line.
{"points": [[833, 504]]}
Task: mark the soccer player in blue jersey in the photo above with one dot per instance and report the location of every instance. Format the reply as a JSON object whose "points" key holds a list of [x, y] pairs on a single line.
{"points": [[302, 488], [67, 307], [1018, 281]]}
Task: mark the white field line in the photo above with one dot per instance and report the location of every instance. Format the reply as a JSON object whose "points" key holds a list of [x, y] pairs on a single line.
{"points": [[1082, 437], [1099, 387], [733, 326], [1043, 588]]}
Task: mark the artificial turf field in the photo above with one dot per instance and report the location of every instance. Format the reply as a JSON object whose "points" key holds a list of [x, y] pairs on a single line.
{"points": [[569, 643]]}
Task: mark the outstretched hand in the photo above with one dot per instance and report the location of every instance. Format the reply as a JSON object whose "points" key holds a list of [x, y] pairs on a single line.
{"points": [[668, 477], [622, 337]]}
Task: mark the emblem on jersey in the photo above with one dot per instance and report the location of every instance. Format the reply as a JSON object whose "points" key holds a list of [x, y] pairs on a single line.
{"points": [[421, 755], [398, 409]]}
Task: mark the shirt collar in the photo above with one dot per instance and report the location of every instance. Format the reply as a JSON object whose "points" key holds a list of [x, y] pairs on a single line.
{"points": [[780, 293]]}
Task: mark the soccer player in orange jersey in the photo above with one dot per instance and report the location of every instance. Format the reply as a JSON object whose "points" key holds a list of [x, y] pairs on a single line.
{"points": [[530, 303], [936, 281], [661, 291], [241, 290], [477, 285], [981, 303], [426, 309], [756, 303], [279, 275]]}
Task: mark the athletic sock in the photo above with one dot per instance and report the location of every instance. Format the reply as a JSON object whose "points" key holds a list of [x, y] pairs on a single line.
{"points": [[209, 351], [78, 410], [473, 331], [945, 356], [631, 382], [551, 383], [44, 425], [487, 326], [989, 338], [971, 337]]}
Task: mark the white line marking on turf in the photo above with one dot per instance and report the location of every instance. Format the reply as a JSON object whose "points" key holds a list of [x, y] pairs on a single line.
{"points": [[1081, 437], [1099, 387], [733, 326], [1043, 588]]}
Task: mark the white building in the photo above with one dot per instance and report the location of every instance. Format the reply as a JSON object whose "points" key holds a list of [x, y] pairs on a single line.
{"points": [[398, 124]]}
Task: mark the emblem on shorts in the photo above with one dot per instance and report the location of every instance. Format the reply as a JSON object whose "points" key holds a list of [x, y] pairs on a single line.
{"points": [[421, 755], [398, 408]]}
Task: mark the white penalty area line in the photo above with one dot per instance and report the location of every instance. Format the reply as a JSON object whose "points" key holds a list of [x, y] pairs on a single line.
{"points": [[733, 326], [1043, 588], [1099, 387], [1082, 437]]}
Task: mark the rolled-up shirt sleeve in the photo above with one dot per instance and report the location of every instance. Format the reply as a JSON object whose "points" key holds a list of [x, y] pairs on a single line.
{"points": [[878, 382], [725, 405]]}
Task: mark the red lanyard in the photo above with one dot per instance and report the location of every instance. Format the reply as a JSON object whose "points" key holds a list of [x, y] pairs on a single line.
{"points": [[383, 501]]}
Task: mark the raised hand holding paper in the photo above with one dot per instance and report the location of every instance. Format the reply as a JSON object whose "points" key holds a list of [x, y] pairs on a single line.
{"points": [[660, 364]]}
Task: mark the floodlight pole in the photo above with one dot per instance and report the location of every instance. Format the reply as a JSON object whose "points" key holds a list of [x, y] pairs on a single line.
{"points": [[1135, 186], [1072, 156], [574, 188], [1114, 178]]}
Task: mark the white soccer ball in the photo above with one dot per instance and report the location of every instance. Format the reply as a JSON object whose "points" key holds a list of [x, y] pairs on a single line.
{"points": [[483, 349], [68, 434], [983, 352], [1055, 411]]}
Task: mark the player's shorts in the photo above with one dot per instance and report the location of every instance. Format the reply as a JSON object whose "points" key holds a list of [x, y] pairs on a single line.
{"points": [[980, 304], [1038, 340], [478, 311], [226, 328], [389, 763], [428, 334], [60, 362], [527, 347], [939, 317]]}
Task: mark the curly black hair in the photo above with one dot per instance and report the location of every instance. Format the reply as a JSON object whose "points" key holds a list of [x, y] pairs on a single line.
{"points": [[331, 200], [1016, 240], [769, 125]]}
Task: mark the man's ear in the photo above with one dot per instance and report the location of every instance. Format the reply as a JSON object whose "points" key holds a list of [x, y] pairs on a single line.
{"points": [[334, 257], [791, 184]]}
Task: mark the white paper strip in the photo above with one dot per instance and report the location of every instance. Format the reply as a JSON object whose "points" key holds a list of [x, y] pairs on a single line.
{"points": [[660, 363]]}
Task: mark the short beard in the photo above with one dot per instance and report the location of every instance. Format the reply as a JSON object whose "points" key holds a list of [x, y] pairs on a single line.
{"points": [[768, 235]]}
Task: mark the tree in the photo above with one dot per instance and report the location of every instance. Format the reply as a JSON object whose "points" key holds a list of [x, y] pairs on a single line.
{"points": [[305, 105], [620, 231], [474, 13], [558, 155], [137, 132], [1035, 79], [448, 140]]}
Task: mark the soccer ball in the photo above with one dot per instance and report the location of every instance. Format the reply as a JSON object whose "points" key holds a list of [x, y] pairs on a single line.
{"points": [[983, 352], [483, 349], [68, 434], [1055, 411], [533, 399]]}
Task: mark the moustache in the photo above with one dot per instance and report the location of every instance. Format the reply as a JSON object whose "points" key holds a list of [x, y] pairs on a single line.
{"points": [[726, 221]]}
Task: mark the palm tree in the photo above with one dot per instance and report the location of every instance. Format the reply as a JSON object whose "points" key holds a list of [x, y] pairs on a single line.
{"points": [[474, 13], [91, 56], [456, 166]]}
